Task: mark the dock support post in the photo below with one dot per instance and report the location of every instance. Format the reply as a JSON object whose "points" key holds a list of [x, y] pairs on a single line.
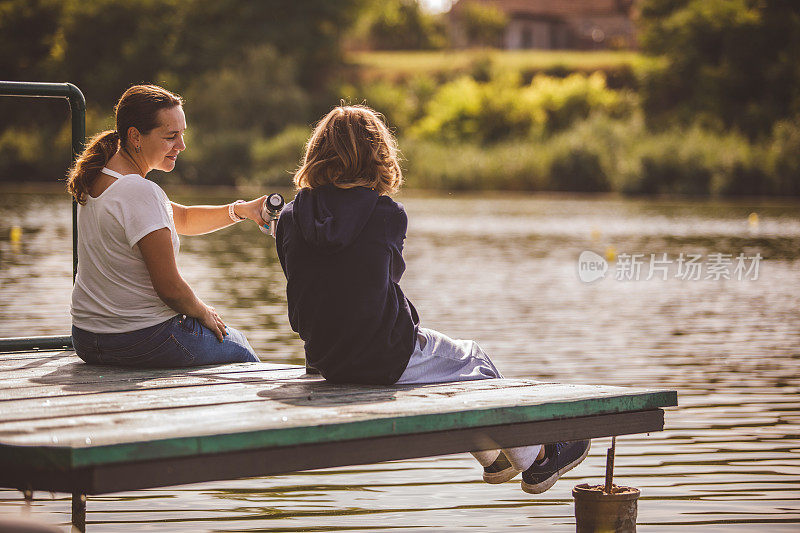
{"points": [[610, 465], [78, 512], [27, 494]]}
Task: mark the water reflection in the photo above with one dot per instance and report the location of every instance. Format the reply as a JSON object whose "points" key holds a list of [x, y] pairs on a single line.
{"points": [[502, 270]]}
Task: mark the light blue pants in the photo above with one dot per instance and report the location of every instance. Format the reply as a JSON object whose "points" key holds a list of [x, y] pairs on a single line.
{"points": [[439, 359]]}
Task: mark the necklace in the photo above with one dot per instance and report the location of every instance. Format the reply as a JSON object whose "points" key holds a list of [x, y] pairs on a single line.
{"points": [[130, 158]]}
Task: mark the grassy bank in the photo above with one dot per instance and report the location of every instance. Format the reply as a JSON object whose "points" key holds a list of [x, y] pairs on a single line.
{"points": [[602, 154], [433, 62], [598, 154], [395, 66]]}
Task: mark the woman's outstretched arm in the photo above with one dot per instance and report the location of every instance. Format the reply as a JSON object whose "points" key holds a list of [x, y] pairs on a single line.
{"points": [[200, 219]]}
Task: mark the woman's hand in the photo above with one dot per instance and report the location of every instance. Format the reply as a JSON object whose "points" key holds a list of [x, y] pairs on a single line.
{"points": [[251, 210], [210, 319]]}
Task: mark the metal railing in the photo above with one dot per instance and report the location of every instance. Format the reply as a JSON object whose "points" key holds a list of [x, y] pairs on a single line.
{"points": [[77, 105]]}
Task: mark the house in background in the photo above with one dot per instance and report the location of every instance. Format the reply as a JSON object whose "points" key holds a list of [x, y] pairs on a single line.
{"points": [[559, 24]]}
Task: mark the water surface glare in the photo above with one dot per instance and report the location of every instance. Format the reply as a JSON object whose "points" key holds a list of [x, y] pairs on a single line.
{"points": [[503, 270]]}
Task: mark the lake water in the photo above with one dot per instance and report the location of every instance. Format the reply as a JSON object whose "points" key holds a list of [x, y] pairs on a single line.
{"points": [[503, 269]]}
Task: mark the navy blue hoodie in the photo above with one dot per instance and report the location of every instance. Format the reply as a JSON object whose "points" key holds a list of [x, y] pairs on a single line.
{"points": [[341, 251]]}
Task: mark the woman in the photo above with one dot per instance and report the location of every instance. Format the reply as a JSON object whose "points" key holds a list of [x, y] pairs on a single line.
{"points": [[130, 305]]}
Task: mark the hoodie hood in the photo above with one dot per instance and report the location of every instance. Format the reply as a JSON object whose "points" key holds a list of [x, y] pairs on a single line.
{"points": [[330, 218]]}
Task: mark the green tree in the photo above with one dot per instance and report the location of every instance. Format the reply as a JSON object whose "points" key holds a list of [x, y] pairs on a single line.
{"points": [[227, 116], [250, 66], [211, 33], [104, 46], [403, 25], [727, 62], [27, 28], [483, 25]]}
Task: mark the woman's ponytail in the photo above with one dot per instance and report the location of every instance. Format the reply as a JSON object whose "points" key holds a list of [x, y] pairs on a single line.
{"points": [[86, 168]]}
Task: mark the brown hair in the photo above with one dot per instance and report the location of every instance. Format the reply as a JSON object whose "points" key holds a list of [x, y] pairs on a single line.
{"points": [[138, 107], [351, 147]]}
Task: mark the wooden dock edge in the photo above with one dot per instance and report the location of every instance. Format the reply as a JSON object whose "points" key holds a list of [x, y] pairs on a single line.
{"points": [[66, 458], [103, 479]]}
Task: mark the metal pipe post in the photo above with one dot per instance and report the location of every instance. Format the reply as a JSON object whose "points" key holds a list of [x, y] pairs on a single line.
{"points": [[18, 344], [77, 106]]}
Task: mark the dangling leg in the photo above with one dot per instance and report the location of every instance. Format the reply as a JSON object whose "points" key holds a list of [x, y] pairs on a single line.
{"points": [[439, 359]]}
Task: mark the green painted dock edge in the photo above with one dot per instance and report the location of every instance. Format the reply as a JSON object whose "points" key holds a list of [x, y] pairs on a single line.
{"points": [[65, 458]]}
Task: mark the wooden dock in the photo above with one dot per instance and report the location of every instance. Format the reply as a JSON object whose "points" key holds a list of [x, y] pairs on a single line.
{"points": [[66, 426]]}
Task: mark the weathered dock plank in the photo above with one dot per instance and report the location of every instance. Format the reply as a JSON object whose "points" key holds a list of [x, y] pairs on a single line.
{"points": [[81, 376], [209, 392], [70, 369], [100, 384]]}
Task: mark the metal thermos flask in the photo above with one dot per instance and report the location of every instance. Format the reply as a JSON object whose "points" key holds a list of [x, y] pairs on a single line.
{"points": [[270, 212]]}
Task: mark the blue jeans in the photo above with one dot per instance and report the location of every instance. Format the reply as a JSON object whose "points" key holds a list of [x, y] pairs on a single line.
{"points": [[179, 341]]}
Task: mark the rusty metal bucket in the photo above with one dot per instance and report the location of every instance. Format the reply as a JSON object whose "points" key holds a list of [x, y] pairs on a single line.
{"points": [[597, 511]]}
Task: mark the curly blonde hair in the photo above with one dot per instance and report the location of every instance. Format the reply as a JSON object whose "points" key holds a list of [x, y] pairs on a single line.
{"points": [[351, 147]]}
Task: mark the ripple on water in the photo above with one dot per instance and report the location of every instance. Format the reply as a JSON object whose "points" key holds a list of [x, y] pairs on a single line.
{"points": [[505, 276]]}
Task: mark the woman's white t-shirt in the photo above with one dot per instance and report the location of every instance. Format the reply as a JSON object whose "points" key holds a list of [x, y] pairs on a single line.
{"points": [[113, 292]]}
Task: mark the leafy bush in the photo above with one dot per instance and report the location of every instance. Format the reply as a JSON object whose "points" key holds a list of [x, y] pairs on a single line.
{"points": [[746, 178], [483, 24], [216, 158], [740, 167], [39, 148], [512, 165], [275, 159], [662, 173], [692, 161], [403, 25], [567, 100], [397, 103], [600, 153], [482, 67], [467, 110], [19, 154], [454, 112], [783, 157], [576, 168], [230, 108], [606, 154], [259, 92], [667, 164]]}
